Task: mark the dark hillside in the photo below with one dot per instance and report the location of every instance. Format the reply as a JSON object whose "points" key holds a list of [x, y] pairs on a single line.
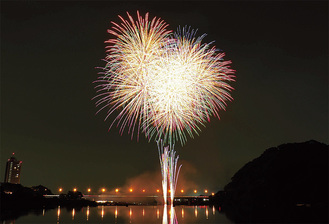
{"points": [[288, 183]]}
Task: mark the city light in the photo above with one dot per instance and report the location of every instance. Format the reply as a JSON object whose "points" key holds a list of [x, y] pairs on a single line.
{"points": [[116, 190], [205, 191], [212, 193], [74, 189], [103, 189], [158, 191], [143, 190], [60, 189], [130, 190], [195, 191], [182, 191], [88, 189]]}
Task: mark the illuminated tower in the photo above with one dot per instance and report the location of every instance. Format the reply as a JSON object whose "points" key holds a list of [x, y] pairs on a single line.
{"points": [[13, 170]]}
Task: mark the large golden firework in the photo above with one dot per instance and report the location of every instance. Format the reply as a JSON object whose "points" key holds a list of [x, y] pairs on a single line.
{"points": [[163, 84]]}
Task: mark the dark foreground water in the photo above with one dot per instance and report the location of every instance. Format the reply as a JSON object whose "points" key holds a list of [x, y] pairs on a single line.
{"points": [[130, 214]]}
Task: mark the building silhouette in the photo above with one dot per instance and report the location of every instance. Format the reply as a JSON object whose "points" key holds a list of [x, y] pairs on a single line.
{"points": [[13, 170]]}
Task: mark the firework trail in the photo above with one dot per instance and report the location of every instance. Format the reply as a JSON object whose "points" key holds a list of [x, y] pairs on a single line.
{"points": [[164, 84], [164, 159], [168, 164], [173, 173]]}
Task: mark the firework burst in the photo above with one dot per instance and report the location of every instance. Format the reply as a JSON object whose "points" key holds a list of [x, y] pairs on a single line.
{"points": [[124, 83], [163, 84]]}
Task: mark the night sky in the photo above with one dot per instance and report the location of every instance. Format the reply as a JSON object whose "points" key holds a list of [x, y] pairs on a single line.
{"points": [[50, 52]]}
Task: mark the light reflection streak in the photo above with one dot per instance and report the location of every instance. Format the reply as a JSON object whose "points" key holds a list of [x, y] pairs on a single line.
{"points": [[73, 213], [130, 213], [213, 210], [116, 212], [207, 213], [102, 211], [173, 218], [43, 212], [196, 211], [165, 217], [158, 213], [58, 212], [143, 212], [87, 213], [183, 213]]}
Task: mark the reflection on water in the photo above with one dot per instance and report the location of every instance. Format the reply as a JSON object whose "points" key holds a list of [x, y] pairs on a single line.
{"points": [[73, 213], [165, 215], [132, 214], [102, 213], [207, 215], [87, 213]]}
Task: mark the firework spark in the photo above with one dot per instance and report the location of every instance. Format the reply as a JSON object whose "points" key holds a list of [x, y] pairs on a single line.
{"points": [[173, 173], [163, 84], [169, 172], [164, 159], [124, 83]]}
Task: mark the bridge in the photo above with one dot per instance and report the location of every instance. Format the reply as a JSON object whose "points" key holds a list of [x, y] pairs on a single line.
{"points": [[104, 199]]}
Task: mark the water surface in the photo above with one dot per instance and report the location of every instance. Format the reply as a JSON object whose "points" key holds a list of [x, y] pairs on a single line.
{"points": [[130, 214]]}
